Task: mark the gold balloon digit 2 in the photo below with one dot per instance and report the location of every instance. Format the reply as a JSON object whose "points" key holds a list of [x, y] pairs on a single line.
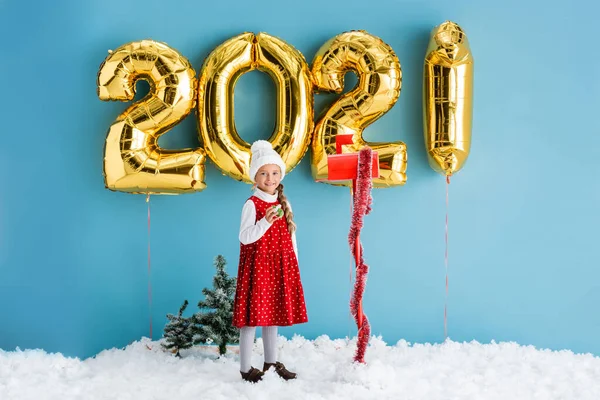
{"points": [[379, 82], [133, 161]]}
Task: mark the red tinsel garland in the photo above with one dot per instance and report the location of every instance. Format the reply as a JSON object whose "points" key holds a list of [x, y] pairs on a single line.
{"points": [[362, 206]]}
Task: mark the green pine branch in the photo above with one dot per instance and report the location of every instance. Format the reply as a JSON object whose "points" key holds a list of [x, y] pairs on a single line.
{"points": [[213, 323], [179, 331]]}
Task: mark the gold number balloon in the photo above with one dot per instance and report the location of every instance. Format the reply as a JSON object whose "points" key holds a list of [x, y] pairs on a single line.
{"points": [[133, 161], [378, 88], [448, 98], [221, 70]]}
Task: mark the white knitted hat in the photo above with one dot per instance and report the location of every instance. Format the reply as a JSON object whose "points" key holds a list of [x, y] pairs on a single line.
{"points": [[263, 154]]}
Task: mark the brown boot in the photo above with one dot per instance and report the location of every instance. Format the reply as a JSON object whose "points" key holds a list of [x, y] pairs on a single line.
{"points": [[254, 375], [280, 369]]}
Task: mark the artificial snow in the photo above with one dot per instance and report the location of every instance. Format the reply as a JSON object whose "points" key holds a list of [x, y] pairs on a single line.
{"points": [[451, 370]]}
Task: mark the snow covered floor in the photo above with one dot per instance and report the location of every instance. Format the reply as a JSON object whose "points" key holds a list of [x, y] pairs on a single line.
{"points": [[448, 371]]}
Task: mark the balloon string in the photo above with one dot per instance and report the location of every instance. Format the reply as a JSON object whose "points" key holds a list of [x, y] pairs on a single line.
{"points": [[149, 268], [350, 268], [446, 263]]}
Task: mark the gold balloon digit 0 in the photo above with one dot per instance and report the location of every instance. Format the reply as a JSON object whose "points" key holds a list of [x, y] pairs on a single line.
{"points": [[448, 98], [379, 82], [222, 68], [133, 161]]}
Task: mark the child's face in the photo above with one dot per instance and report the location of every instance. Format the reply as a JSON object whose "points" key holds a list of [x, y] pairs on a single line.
{"points": [[268, 177]]}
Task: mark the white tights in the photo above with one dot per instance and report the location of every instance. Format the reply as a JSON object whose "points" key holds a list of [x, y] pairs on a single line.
{"points": [[269, 337]]}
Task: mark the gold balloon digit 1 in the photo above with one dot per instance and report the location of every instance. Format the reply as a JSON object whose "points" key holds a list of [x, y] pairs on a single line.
{"points": [[222, 68], [133, 161], [378, 88], [448, 98]]}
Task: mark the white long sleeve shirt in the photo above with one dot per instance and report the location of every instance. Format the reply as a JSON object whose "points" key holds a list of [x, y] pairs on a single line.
{"points": [[250, 229]]}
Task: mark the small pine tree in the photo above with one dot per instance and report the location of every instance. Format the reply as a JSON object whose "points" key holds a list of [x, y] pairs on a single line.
{"points": [[216, 326], [179, 331]]}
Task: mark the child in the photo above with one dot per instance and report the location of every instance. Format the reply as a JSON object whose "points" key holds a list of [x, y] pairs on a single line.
{"points": [[269, 292]]}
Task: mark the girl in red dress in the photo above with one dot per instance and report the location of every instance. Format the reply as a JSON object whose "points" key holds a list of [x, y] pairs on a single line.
{"points": [[269, 292]]}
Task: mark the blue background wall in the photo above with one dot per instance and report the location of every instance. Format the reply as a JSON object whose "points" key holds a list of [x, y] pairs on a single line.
{"points": [[524, 211]]}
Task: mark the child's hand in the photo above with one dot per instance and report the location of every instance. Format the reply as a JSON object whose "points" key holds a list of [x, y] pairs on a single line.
{"points": [[273, 214]]}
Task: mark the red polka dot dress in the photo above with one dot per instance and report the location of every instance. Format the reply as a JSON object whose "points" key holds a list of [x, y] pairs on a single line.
{"points": [[269, 291]]}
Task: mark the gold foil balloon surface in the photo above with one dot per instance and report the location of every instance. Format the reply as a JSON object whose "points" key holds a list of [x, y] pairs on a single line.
{"points": [[379, 82], [294, 123], [448, 98], [133, 161]]}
